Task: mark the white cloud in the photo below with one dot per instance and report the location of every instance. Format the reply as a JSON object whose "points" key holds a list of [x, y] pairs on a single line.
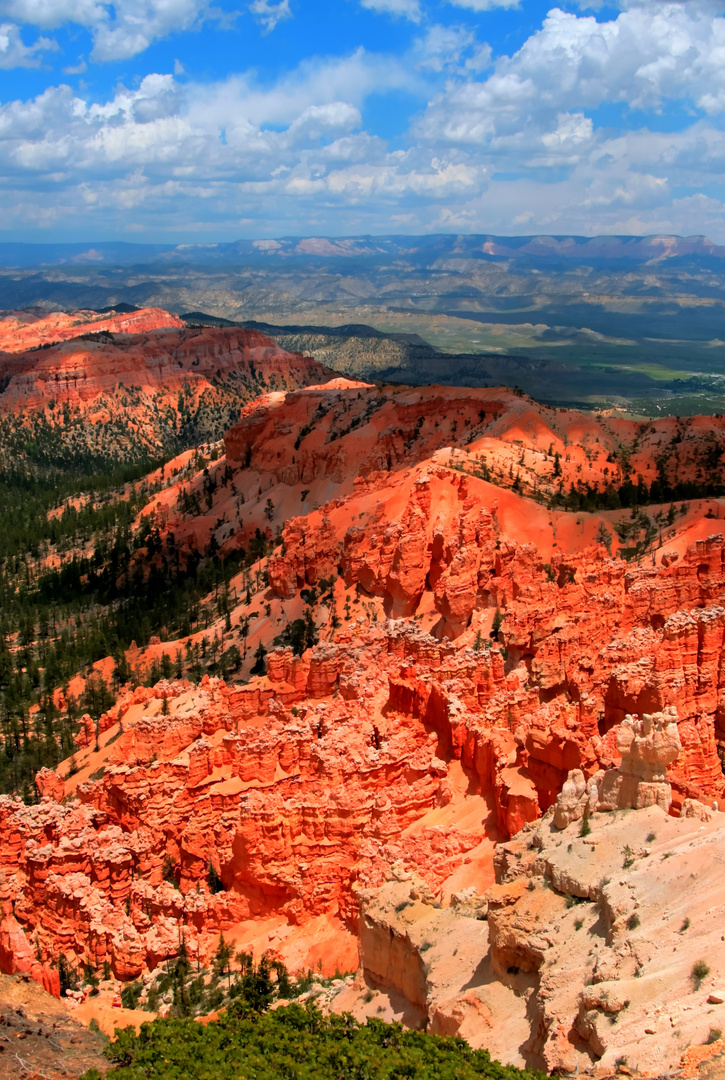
{"points": [[192, 132], [15, 53], [455, 219], [238, 101], [137, 23], [120, 28], [440, 180], [50, 14], [314, 121], [571, 129], [644, 57], [649, 54], [405, 9], [269, 14], [76, 69], [293, 155]]}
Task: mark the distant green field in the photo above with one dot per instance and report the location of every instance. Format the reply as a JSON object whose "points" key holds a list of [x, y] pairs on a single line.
{"points": [[566, 364]]}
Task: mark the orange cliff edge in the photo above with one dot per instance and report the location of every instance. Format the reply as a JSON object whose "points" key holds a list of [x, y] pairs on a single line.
{"points": [[150, 350]]}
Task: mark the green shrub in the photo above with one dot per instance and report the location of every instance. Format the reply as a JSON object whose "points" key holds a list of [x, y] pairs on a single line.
{"points": [[295, 1042], [700, 971]]}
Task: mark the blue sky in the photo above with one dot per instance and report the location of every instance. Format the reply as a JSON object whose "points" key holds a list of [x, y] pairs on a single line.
{"points": [[204, 120]]}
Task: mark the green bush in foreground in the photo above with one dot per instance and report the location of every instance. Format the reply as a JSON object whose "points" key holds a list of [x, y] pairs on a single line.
{"points": [[295, 1042]]}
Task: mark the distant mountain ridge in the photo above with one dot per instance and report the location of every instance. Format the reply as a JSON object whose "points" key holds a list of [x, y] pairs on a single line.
{"points": [[593, 321], [600, 250]]}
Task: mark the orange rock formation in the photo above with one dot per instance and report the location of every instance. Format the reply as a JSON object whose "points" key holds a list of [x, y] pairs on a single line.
{"points": [[476, 647]]}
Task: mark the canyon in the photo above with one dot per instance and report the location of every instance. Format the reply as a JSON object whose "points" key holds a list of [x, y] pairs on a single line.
{"points": [[478, 624]]}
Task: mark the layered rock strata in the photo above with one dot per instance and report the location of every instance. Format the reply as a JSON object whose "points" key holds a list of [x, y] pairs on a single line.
{"points": [[160, 359], [291, 810]]}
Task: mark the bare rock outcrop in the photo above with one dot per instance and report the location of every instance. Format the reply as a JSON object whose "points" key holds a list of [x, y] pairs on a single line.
{"points": [[581, 962], [648, 745], [160, 355], [27, 330]]}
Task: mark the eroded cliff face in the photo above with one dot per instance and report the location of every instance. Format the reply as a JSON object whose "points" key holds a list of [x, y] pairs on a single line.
{"points": [[580, 956], [383, 746], [586, 638], [23, 330], [128, 385], [160, 357], [292, 805], [585, 952], [348, 427]]}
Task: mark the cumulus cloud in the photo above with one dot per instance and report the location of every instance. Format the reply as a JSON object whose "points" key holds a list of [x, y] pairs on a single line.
{"points": [[529, 111], [239, 100], [50, 14], [120, 28], [195, 131], [316, 121], [137, 23], [153, 153], [642, 57]]}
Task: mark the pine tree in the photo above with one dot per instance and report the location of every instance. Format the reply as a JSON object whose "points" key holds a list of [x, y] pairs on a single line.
{"points": [[260, 664], [222, 956], [214, 881]]}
